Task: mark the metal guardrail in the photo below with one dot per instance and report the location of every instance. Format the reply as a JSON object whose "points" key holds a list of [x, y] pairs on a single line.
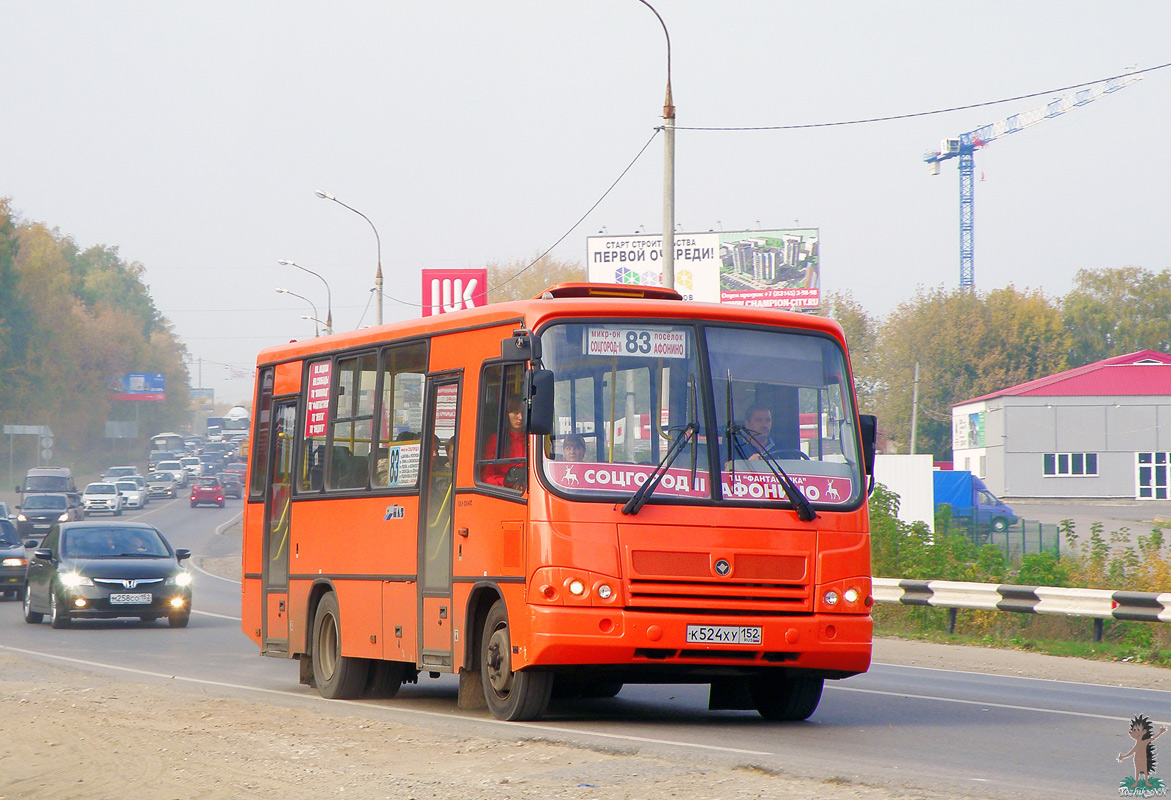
{"points": [[1099, 604]]}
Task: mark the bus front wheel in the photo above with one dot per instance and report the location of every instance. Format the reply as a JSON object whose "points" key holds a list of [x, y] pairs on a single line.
{"points": [[337, 677], [511, 695], [786, 697]]}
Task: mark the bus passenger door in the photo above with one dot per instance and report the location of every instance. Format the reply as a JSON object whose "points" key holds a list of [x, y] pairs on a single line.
{"points": [[277, 512], [437, 499]]}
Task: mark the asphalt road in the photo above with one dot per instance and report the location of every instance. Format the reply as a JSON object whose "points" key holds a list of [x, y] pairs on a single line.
{"points": [[930, 731]]}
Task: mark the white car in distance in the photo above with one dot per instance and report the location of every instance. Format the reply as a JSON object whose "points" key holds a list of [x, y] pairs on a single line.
{"points": [[176, 469], [102, 497], [133, 495], [193, 466]]}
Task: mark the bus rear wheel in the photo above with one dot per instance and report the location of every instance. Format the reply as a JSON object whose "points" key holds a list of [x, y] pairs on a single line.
{"points": [[337, 677], [786, 698], [511, 695]]}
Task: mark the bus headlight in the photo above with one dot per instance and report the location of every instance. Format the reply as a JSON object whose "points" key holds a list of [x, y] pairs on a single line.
{"points": [[831, 598], [576, 588], [604, 591], [851, 595]]}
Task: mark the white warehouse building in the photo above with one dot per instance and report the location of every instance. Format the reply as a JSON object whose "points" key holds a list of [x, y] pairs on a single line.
{"points": [[1102, 430]]}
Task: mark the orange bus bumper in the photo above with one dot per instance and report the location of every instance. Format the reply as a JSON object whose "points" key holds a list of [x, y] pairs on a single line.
{"points": [[593, 636]]}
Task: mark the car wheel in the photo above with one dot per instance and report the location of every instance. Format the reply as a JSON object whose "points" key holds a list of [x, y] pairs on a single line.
{"points": [[221, 504], [179, 620], [194, 504], [58, 616], [786, 698], [337, 677], [30, 616], [511, 695], [1000, 524]]}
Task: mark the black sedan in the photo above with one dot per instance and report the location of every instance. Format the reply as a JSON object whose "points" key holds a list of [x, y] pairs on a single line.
{"points": [[12, 560], [103, 570]]}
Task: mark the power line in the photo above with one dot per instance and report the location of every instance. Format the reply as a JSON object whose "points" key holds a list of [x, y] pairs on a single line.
{"points": [[915, 114]]}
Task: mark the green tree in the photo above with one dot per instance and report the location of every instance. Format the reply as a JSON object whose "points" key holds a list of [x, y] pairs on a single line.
{"points": [[1111, 312], [967, 344], [861, 331], [522, 279]]}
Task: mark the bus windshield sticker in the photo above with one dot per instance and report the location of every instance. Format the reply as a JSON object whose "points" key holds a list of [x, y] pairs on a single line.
{"points": [[624, 478], [765, 486], [635, 342], [402, 465]]}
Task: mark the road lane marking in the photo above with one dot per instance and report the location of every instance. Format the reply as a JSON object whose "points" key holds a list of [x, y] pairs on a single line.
{"points": [[448, 717], [1006, 706]]}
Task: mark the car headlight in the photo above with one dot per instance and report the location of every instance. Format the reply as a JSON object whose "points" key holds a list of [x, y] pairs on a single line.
{"points": [[15, 562], [72, 579], [64, 517], [21, 518], [182, 579]]}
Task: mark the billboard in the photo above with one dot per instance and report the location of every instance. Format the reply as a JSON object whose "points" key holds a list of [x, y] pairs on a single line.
{"points": [[447, 290], [143, 386], [778, 268]]}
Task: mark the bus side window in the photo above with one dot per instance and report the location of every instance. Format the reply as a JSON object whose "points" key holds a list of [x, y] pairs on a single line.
{"points": [[400, 415], [497, 462]]}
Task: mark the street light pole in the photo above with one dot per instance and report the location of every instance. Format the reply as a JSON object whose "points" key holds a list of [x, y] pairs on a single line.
{"points": [[316, 330], [324, 195], [284, 262], [668, 168]]}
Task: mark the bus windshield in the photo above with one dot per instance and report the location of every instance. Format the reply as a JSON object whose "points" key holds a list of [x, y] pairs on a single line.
{"points": [[764, 403]]}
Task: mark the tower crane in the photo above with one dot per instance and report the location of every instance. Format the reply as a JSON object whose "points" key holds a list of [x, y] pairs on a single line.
{"points": [[965, 146]]}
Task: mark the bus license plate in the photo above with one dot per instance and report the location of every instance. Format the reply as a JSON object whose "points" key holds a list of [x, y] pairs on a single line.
{"points": [[130, 599], [723, 634]]}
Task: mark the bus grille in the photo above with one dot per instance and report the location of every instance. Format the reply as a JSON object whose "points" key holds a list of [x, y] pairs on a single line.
{"points": [[687, 583]]}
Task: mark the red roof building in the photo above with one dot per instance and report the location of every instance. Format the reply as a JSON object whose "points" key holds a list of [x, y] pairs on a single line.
{"points": [[1102, 430]]}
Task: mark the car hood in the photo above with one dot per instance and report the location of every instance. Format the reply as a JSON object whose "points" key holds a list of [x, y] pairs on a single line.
{"points": [[136, 568], [11, 550]]}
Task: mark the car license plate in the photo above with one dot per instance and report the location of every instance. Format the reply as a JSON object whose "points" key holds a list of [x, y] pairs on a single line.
{"points": [[39, 527], [131, 599], [723, 634]]}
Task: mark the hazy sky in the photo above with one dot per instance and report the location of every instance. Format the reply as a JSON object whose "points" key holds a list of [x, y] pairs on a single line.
{"points": [[192, 135]]}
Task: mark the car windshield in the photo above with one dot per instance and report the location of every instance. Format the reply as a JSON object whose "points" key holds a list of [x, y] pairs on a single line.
{"points": [[174, 465], [161, 476], [626, 393], [112, 542], [8, 533], [101, 488], [45, 483], [36, 502], [127, 486], [192, 460]]}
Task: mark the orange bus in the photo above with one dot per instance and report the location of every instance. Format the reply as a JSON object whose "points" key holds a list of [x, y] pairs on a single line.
{"points": [[556, 497]]}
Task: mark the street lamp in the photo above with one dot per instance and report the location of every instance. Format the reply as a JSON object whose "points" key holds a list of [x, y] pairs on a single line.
{"points": [[315, 321], [284, 262], [316, 330], [668, 168], [324, 195]]}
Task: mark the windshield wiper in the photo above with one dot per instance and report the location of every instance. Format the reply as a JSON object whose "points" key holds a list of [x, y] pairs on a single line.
{"points": [[643, 493], [738, 433]]}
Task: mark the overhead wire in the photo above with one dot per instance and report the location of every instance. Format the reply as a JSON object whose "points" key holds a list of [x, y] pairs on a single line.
{"points": [[913, 115]]}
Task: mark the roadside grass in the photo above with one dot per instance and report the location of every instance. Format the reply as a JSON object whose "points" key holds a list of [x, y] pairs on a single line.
{"points": [[1098, 561]]}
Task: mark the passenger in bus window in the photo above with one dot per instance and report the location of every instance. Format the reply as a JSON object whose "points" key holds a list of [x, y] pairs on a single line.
{"points": [[573, 448], [509, 475]]}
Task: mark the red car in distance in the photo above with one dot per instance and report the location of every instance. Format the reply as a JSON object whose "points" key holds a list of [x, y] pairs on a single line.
{"points": [[207, 490]]}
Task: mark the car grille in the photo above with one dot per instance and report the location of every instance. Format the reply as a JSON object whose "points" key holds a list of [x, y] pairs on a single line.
{"points": [[129, 583]]}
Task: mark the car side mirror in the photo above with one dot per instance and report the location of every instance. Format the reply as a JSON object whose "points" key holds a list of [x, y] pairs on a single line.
{"points": [[182, 553], [43, 553]]}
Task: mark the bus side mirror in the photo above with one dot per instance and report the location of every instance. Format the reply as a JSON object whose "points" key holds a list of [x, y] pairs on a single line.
{"points": [[540, 405], [868, 429], [523, 346]]}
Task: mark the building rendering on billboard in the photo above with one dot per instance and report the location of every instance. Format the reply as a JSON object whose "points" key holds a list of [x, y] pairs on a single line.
{"points": [[139, 386], [767, 269]]}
